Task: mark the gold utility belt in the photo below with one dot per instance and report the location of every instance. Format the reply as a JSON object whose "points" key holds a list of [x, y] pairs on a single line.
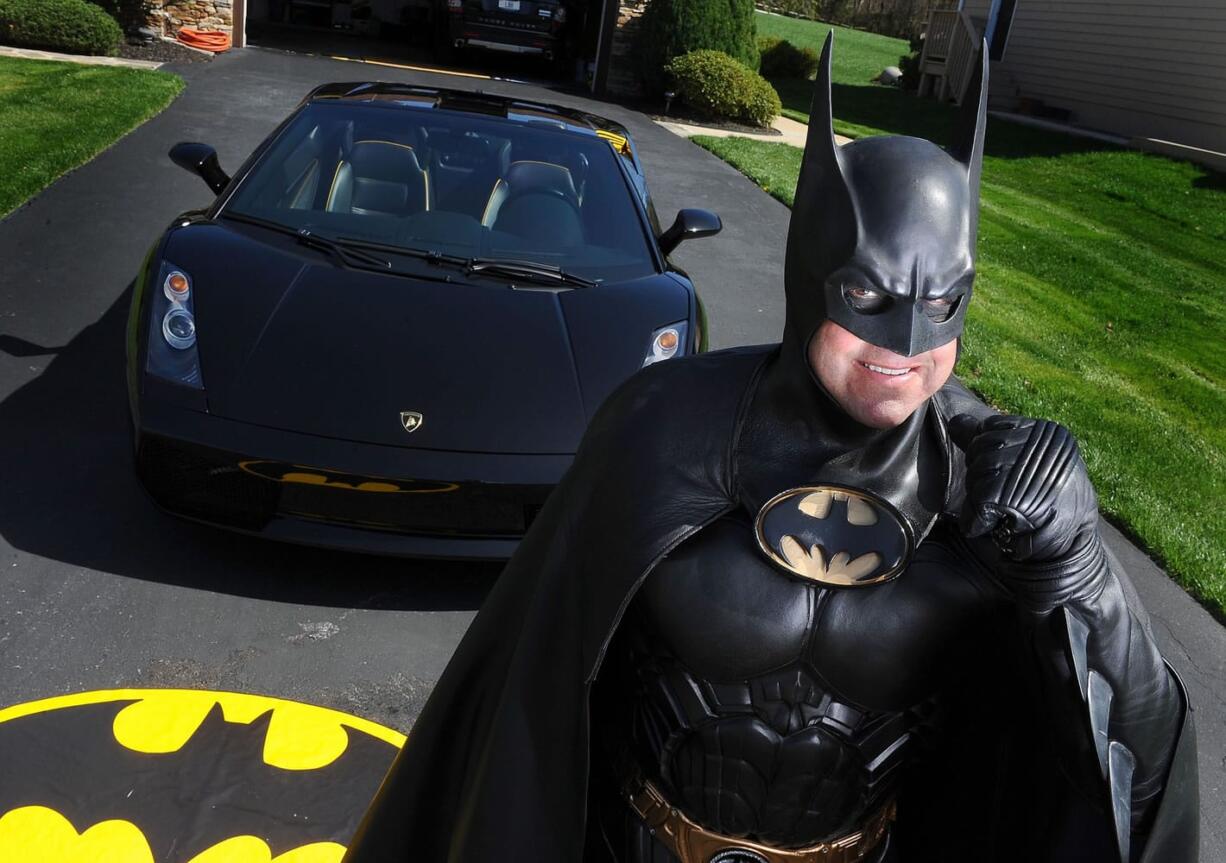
{"points": [[691, 843]]}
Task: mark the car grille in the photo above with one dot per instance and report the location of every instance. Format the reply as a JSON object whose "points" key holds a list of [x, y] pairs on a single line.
{"points": [[226, 489]]}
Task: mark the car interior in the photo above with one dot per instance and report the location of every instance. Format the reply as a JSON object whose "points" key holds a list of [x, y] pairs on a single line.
{"points": [[451, 183]]}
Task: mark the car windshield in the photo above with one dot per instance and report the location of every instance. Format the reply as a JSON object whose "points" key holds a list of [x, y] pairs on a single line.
{"points": [[454, 183]]}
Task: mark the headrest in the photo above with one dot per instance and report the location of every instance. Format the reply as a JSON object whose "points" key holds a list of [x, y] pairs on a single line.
{"points": [[543, 176], [384, 160]]}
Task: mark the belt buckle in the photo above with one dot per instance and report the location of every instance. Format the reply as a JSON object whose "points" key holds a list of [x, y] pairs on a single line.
{"points": [[737, 855], [693, 844]]}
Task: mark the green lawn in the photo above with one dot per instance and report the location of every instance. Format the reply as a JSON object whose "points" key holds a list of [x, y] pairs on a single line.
{"points": [[57, 116], [1099, 303], [858, 58], [861, 107]]}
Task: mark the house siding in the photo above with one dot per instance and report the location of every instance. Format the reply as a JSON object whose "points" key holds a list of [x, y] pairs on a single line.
{"points": [[1151, 70]]}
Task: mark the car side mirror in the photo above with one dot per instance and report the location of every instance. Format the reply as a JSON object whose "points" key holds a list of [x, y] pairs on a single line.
{"points": [[200, 159], [689, 225]]}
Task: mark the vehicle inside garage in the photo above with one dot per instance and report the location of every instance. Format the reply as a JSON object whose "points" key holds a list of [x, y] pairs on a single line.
{"points": [[535, 39]]}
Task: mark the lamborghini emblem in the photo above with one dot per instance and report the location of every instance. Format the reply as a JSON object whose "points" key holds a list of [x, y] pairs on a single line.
{"points": [[834, 535], [411, 420]]}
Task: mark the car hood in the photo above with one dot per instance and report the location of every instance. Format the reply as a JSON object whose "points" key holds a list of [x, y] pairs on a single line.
{"points": [[288, 339]]}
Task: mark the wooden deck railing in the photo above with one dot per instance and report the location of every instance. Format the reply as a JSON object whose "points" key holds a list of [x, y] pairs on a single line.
{"points": [[951, 48], [940, 34]]}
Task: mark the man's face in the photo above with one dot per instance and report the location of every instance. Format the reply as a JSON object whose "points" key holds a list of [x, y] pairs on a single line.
{"points": [[876, 387]]}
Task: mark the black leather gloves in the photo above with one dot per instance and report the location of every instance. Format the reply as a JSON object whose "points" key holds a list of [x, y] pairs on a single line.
{"points": [[1027, 486]]}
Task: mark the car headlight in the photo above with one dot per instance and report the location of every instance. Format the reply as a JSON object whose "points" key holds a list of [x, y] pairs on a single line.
{"points": [[666, 343], [172, 353]]}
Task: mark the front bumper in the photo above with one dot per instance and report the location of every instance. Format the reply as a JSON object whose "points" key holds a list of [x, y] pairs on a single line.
{"points": [[319, 491]]}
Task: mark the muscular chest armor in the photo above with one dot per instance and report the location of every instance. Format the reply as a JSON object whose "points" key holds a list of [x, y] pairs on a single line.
{"points": [[779, 710]]}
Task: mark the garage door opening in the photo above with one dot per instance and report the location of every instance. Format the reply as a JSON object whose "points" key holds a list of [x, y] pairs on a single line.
{"points": [[553, 40]]}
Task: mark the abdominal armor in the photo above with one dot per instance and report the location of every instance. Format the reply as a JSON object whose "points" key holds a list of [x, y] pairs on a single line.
{"points": [[778, 710]]}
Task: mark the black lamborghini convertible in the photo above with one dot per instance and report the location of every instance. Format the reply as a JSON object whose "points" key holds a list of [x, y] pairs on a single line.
{"points": [[391, 328]]}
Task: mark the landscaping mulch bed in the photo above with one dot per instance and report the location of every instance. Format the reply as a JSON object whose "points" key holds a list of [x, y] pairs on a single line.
{"points": [[161, 51]]}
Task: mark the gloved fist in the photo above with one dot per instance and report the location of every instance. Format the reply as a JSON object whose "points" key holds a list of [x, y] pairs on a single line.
{"points": [[1027, 486]]}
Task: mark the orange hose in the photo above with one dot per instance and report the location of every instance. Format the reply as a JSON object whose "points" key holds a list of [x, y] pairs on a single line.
{"points": [[209, 40]]}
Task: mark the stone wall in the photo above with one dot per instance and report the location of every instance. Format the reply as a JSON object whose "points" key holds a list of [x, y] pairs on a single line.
{"points": [[167, 16], [623, 77]]}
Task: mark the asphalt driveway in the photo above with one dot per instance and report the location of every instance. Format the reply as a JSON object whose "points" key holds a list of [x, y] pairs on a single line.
{"points": [[99, 590]]}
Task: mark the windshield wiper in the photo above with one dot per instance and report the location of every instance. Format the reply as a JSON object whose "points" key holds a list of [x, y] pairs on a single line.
{"points": [[312, 240], [405, 251], [526, 270], [342, 250], [554, 276], [356, 251]]}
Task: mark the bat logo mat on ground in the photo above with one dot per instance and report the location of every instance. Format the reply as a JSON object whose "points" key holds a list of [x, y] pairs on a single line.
{"points": [[184, 776]]}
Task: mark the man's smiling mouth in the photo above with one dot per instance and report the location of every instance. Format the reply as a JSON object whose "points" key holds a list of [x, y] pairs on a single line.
{"points": [[883, 370]]}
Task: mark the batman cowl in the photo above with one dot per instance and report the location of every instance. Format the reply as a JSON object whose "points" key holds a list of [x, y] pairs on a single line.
{"points": [[882, 236], [882, 243]]}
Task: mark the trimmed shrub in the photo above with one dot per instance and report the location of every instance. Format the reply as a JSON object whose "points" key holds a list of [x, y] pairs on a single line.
{"points": [[131, 14], [782, 59], [73, 26], [910, 65], [670, 28], [713, 83]]}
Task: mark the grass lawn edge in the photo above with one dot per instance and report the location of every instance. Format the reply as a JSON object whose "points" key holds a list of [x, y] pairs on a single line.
{"points": [[27, 88]]}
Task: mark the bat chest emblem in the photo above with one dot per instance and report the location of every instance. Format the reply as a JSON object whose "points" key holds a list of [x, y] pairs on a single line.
{"points": [[834, 535]]}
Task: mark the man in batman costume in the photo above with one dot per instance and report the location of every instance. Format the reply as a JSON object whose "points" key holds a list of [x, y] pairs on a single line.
{"points": [[813, 601]]}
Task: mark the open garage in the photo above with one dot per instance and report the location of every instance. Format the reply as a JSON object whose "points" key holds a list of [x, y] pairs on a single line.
{"points": [[573, 42]]}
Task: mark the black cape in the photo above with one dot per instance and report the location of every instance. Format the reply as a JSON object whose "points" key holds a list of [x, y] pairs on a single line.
{"points": [[497, 765]]}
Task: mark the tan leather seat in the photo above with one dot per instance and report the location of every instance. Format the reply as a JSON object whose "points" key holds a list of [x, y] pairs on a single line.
{"points": [[381, 178], [536, 199]]}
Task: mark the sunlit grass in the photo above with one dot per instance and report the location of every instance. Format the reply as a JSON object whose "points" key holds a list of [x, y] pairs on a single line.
{"points": [[859, 57], [57, 116]]}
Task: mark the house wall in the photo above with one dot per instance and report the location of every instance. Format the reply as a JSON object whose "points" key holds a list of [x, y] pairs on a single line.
{"points": [[623, 78], [201, 14], [169, 15], [1137, 68]]}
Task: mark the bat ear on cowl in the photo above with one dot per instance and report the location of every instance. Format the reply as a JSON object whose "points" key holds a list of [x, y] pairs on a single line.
{"points": [[967, 146], [821, 157], [822, 231]]}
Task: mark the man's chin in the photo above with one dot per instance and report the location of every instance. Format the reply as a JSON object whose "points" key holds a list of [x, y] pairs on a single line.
{"points": [[882, 413]]}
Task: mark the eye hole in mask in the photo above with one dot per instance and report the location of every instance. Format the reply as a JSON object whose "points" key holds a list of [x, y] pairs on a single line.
{"points": [[865, 301], [942, 309]]}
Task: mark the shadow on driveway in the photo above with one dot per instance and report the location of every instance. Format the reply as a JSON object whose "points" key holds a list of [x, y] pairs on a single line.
{"points": [[70, 494]]}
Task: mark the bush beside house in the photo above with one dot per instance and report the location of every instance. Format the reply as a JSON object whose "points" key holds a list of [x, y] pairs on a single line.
{"points": [[910, 65], [73, 26], [716, 84], [671, 28], [782, 59]]}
